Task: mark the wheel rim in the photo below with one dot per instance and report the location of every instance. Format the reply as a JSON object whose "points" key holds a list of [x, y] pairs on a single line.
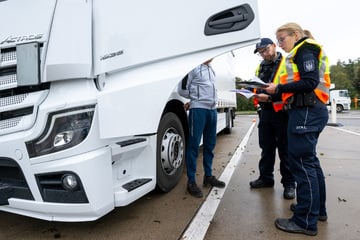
{"points": [[172, 150], [338, 108]]}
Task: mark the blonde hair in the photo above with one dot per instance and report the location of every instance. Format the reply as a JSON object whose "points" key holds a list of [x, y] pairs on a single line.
{"points": [[291, 28], [308, 34]]}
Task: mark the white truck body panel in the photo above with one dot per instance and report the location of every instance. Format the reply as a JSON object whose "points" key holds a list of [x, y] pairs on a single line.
{"points": [[132, 30], [90, 117], [38, 14], [69, 53], [133, 39]]}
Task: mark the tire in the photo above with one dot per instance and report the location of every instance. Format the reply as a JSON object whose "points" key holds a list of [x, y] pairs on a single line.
{"points": [[229, 121], [339, 108], [170, 152]]}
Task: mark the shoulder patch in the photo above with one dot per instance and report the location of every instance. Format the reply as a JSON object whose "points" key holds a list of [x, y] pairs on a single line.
{"points": [[309, 65]]}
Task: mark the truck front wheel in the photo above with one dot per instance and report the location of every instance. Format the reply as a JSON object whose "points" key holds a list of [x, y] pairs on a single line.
{"points": [[339, 108], [170, 153]]}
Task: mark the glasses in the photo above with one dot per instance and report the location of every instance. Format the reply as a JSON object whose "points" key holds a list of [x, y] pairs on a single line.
{"points": [[282, 39], [262, 52]]}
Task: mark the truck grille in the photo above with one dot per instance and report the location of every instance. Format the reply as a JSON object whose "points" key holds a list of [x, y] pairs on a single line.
{"points": [[7, 80], [8, 68], [9, 123], [18, 99], [18, 104], [8, 55]]}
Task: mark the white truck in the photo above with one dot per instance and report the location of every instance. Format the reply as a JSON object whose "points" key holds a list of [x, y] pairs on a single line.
{"points": [[90, 118], [341, 99]]}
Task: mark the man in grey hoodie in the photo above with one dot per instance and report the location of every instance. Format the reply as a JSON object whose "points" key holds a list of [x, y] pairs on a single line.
{"points": [[200, 89]]}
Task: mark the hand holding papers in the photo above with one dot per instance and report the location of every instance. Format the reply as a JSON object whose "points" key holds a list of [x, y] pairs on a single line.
{"points": [[255, 82], [246, 93]]}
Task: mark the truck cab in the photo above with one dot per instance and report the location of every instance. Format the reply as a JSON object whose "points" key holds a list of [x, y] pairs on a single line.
{"points": [[90, 118], [341, 98]]}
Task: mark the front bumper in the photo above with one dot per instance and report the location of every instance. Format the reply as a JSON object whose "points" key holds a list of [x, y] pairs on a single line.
{"points": [[98, 189]]}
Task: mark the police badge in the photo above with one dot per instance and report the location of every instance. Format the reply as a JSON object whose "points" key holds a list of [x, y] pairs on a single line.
{"points": [[309, 65]]}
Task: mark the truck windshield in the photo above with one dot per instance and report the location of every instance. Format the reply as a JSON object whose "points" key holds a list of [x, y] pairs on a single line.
{"points": [[343, 94]]}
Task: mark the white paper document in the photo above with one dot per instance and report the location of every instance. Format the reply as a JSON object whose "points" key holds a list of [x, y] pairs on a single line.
{"points": [[255, 82], [246, 93]]}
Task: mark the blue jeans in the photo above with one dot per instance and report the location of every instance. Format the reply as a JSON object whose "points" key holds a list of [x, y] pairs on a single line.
{"points": [[202, 122], [304, 128]]}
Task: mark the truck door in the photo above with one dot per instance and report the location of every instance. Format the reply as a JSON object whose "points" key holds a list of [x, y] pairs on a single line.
{"points": [[134, 32]]}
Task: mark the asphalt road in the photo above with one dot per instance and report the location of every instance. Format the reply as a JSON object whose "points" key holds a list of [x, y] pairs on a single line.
{"points": [[246, 213], [155, 216], [242, 214]]}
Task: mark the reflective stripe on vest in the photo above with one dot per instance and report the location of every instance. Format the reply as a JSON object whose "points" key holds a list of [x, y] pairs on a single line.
{"points": [[255, 100], [290, 73], [277, 105]]}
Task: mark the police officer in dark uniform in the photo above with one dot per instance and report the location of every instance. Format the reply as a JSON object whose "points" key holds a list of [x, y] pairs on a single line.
{"points": [[304, 84], [273, 124]]}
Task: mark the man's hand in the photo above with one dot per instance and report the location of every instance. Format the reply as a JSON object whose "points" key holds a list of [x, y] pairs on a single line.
{"points": [[187, 106], [271, 88], [262, 97]]}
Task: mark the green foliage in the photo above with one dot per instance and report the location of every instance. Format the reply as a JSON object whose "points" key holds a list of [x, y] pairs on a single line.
{"points": [[340, 78], [347, 76], [244, 104]]}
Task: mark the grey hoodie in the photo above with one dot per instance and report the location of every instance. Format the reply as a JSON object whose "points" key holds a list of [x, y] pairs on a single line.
{"points": [[200, 87]]}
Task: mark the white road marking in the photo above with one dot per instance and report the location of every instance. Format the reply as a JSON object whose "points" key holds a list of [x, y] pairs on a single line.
{"points": [[347, 131], [201, 221]]}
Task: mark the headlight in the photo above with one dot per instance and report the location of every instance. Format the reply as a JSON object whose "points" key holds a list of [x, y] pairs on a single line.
{"points": [[63, 130]]}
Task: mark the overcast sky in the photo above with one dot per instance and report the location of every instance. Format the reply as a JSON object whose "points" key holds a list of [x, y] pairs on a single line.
{"points": [[333, 23]]}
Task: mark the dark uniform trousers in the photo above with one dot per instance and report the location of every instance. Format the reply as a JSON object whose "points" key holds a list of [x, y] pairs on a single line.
{"points": [[272, 136], [304, 127]]}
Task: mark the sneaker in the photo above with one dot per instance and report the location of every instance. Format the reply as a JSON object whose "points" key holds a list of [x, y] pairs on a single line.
{"points": [[259, 183], [194, 190], [322, 218], [293, 207], [288, 225], [289, 192], [213, 182]]}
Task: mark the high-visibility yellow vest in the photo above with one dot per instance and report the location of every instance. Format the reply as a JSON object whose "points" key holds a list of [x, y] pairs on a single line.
{"points": [[277, 105], [290, 73]]}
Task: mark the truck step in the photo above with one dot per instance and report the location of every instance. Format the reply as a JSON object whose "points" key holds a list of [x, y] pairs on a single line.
{"points": [[136, 183]]}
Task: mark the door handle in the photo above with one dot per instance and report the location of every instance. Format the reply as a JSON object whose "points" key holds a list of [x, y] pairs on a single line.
{"points": [[234, 19]]}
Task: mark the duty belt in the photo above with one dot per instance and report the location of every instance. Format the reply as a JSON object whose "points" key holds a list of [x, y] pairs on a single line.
{"points": [[300, 100]]}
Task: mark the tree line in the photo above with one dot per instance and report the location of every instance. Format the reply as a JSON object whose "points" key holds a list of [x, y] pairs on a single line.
{"points": [[345, 75]]}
